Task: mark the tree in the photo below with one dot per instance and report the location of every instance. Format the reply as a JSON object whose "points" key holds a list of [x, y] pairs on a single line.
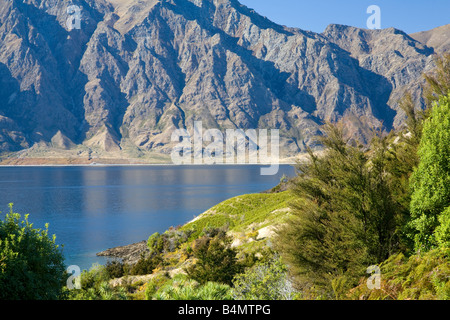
{"points": [[215, 260], [31, 264], [346, 216], [438, 82], [430, 182], [442, 231]]}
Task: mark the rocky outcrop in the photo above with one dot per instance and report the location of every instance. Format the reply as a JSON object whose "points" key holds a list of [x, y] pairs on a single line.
{"points": [[137, 70], [129, 254]]}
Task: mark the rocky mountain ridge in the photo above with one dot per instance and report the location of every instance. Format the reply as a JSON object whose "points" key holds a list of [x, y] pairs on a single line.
{"points": [[137, 70]]}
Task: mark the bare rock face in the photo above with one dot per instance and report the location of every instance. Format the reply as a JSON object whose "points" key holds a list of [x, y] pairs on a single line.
{"points": [[129, 254], [137, 70]]}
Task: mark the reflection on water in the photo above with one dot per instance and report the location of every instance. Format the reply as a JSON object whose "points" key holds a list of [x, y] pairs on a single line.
{"points": [[91, 209]]}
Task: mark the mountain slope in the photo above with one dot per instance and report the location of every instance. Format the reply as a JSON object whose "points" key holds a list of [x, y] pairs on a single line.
{"points": [[137, 70], [437, 38]]}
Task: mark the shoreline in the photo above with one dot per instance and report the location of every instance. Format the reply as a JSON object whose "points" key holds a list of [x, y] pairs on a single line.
{"points": [[118, 164], [68, 161], [131, 253]]}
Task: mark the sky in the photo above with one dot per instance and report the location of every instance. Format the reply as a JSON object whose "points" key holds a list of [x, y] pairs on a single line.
{"points": [[315, 15]]}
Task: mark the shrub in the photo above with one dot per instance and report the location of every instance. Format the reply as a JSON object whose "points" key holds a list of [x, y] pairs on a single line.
{"points": [[264, 281], [115, 269], [31, 264], [155, 243], [430, 182], [419, 277], [442, 231], [95, 286], [146, 265], [169, 241], [215, 260], [155, 284], [183, 288]]}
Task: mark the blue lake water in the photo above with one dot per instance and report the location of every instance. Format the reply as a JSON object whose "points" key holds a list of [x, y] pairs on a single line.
{"points": [[93, 208]]}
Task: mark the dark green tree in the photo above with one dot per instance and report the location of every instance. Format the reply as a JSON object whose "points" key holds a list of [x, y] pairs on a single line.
{"points": [[215, 260], [31, 264], [345, 216]]}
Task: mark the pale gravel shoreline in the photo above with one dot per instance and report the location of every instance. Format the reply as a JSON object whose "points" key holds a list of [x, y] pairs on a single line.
{"points": [[143, 165]]}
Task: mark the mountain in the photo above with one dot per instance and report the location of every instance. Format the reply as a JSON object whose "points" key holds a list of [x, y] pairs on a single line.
{"points": [[437, 38], [138, 69]]}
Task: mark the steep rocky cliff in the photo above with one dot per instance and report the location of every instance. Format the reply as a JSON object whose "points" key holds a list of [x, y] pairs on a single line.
{"points": [[138, 69]]}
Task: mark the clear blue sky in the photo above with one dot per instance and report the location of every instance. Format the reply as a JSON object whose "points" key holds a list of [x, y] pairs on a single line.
{"points": [[314, 15]]}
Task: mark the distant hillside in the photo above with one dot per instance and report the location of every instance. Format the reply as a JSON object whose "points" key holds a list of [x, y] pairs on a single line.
{"points": [[437, 38]]}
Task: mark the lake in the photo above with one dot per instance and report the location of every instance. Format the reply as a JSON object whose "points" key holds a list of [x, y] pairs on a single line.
{"points": [[93, 208]]}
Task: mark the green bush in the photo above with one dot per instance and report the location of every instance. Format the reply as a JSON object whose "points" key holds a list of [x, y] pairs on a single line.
{"points": [[169, 241], [430, 182], [155, 284], [215, 260], [425, 276], [115, 269], [155, 243], [183, 288], [442, 231], [146, 265], [264, 281], [31, 264], [95, 286]]}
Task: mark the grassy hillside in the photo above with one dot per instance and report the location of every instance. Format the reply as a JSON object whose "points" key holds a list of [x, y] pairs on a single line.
{"points": [[247, 213]]}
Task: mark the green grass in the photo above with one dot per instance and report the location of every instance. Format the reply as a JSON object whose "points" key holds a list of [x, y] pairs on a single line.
{"points": [[424, 276], [242, 212]]}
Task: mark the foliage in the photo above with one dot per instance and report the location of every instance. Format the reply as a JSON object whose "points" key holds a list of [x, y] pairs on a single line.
{"points": [[115, 269], [438, 82], [169, 241], [240, 212], [266, 280], [414, 119], [430, 182], [419, 277], [155, 243], [345, 216], [146, 265], [31, 264], [183, 288], [95, 286], [159, 244], [442, 231], [215, 260], [157, 282]]}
